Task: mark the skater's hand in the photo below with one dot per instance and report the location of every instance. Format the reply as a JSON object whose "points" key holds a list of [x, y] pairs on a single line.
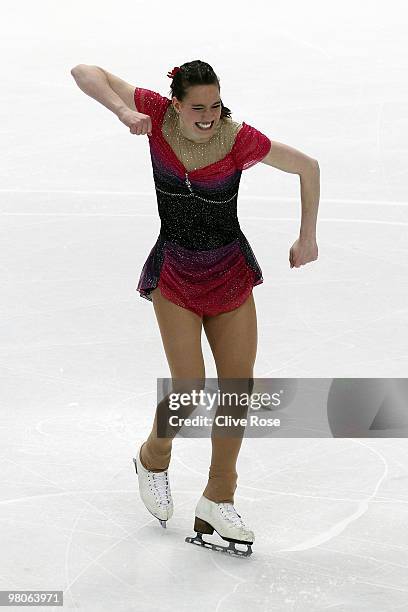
{"points": [[302, 252], [138, 123]]}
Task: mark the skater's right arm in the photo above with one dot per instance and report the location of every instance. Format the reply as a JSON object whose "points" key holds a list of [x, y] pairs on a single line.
{"points": [[115, 94]]}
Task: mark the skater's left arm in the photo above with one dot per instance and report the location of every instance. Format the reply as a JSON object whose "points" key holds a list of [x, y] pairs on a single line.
{"points": [[289, 159]]}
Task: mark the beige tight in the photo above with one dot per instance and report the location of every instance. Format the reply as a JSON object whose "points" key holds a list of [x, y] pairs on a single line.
{"points": [[232, 337]]}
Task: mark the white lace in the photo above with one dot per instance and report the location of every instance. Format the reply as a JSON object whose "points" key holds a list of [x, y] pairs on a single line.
{"points": [[231, 514], [160, 487]]}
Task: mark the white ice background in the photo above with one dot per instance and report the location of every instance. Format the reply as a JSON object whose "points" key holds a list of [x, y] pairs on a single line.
{"points": [[81, 351]]}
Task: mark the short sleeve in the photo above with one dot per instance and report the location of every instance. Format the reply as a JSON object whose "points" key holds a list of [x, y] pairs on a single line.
{"points": [[151, 103], [250, 147]]}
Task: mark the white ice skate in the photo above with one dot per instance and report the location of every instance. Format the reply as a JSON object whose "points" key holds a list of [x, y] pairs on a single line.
{"points": [[225, 520], [155, 491]]}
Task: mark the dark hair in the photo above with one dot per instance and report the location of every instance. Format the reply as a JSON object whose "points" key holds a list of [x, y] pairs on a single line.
{"points": [[195, 73]]}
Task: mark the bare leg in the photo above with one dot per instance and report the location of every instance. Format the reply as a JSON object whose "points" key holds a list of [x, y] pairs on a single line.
{"points": [[233, 340], [180, 330]]}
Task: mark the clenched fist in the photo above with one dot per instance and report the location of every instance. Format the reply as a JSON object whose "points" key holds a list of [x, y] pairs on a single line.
{"points": [[303, 251], [138, 123]]}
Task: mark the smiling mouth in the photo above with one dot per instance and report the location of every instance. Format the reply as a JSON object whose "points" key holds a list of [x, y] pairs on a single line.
{"points": [[204, 129]]}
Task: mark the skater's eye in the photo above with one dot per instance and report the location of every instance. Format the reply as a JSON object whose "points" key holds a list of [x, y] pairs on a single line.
{"points": [[217, 105]]}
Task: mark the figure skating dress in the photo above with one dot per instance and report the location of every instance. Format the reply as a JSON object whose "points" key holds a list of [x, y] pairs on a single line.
{"points": [[201, 260]]}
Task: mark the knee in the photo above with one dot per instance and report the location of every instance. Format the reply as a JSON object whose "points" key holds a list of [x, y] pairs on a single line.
{"points": [[187, 384], [238, 388], [243, 384]]}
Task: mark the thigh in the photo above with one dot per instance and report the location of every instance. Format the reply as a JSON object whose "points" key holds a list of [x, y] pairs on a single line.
{"points": [[233, 339], [180, 331]]}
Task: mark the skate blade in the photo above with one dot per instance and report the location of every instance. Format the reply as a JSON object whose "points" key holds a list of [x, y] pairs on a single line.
{"points": [[163, 522], [230, 549]]}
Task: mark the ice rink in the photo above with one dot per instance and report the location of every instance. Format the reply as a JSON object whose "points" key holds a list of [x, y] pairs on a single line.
{"points": [[81, 350]]}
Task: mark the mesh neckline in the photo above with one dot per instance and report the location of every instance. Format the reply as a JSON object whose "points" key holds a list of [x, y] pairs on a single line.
{"points": [[174, 118], [179, 162]]}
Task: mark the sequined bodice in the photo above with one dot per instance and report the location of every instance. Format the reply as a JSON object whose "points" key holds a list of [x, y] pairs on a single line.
{"points": [[197, 183], [195, 155]]}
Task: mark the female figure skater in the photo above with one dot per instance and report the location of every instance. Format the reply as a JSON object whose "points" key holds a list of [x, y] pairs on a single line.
{"points": [[201, 271]]}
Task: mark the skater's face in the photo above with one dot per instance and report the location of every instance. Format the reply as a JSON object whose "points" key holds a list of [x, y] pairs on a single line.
{"points": [[202, 104]]}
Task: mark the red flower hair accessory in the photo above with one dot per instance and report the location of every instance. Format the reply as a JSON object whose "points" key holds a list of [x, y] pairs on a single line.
{"points": [[172, 74]]}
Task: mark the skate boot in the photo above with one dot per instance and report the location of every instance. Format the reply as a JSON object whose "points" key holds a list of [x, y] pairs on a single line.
{"points": [[155, 491], [224, 519]]}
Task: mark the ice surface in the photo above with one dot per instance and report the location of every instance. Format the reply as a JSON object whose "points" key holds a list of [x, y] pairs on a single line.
{"points": [[81, 350]]}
